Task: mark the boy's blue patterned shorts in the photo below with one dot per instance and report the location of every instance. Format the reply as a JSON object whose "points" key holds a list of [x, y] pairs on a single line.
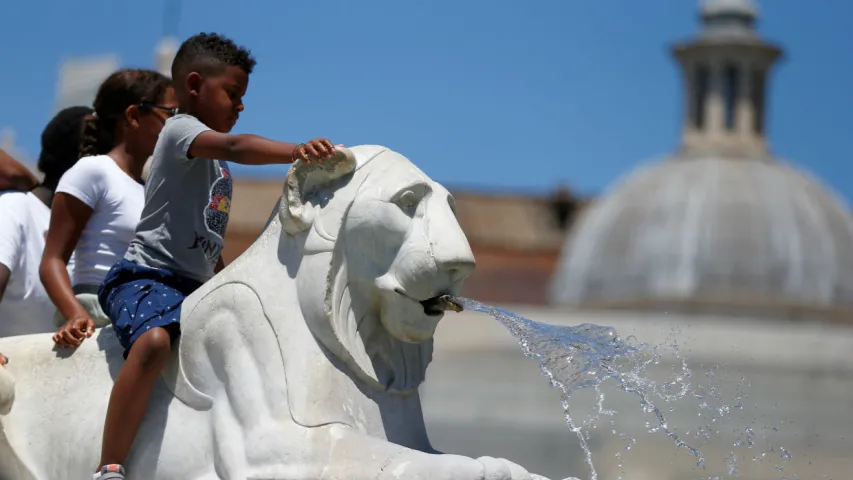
{"points": [[138, 298]]}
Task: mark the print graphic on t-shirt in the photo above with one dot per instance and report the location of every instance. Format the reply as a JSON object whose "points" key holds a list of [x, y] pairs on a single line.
{"points": [[217, 210]]}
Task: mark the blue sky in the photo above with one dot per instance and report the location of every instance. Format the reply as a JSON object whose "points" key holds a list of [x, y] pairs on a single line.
{"points": [[502, 94]]}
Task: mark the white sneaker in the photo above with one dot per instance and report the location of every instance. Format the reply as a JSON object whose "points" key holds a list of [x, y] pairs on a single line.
{"points": [[110, 472]]}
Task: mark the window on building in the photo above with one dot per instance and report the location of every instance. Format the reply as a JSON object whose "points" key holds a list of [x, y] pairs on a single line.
{"points": [[730, 22], [758, 101], [731, 81], [563, 205], [701, 85]]}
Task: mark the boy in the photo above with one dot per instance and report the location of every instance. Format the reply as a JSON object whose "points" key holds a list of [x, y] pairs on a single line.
{"points": [[179, 238]]}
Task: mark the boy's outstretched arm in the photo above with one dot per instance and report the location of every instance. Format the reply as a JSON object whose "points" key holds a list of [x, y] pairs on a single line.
{"points": [[254, 150]]}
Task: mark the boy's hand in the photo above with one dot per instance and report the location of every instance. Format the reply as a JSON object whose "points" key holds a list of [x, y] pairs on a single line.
{"points": [[316, 150], [74, 332]]}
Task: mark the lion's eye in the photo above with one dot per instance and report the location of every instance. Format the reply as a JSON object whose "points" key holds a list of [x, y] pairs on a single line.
{"points": [[410, 197], [407, 201]]}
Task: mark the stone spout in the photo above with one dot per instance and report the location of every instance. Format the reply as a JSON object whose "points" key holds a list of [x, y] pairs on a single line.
{"points": [[441, 304]]}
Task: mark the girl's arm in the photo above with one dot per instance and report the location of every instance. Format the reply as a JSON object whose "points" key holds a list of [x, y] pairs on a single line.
{"points": [[4, 279], [12, 241], [68, 217]]}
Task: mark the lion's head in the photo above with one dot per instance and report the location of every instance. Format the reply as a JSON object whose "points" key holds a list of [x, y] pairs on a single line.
{"points": [[381, 240]]}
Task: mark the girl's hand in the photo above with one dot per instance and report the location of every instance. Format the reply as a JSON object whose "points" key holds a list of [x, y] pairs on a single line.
{"points": [[74, 332]]}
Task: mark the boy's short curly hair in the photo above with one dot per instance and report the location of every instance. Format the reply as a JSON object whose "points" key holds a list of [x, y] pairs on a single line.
{"points": [[209, 52]]}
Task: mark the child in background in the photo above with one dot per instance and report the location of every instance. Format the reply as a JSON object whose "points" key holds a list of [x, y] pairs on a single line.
{"points": [[98, 201], [179, 239], [24, 218]]}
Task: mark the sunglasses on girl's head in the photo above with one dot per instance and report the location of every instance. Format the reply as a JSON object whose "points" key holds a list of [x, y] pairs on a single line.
{"points": [[170, 111]]}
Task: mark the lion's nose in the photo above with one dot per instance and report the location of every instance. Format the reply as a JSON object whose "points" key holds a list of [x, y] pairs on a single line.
{"points": [[450, 247], [458, 270]]}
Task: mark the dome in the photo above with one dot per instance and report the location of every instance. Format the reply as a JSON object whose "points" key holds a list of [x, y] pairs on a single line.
{"points": [[728, 19], [746, 8], [711, 231]]}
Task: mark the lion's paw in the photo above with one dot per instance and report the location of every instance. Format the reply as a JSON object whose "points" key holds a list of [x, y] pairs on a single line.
{"points": [[503, 469]]}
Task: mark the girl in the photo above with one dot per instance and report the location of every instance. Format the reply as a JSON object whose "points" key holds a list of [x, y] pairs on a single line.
{"points": [[98, 202], [24, 218]]}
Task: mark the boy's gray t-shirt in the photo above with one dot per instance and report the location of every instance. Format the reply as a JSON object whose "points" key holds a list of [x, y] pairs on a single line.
{"points": [[187, 203]]}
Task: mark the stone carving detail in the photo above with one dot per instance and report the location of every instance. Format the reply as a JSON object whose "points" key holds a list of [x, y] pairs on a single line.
{"points": [[300, 360]]}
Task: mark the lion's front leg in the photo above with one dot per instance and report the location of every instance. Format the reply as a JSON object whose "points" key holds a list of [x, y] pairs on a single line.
{"points": [[355, 456], [244, 374], [339, 452]]}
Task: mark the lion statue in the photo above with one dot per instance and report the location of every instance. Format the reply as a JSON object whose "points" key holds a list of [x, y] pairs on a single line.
{"points": [[301, 360]]}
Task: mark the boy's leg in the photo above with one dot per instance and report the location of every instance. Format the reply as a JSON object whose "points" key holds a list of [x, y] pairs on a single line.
{"points": [[145, 313], [131, 392]]}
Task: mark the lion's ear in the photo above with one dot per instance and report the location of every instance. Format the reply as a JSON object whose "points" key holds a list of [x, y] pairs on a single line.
{"points": [[306, 186]]}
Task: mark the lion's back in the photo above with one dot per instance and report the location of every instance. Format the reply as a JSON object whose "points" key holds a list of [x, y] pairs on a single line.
{"points": [[34, 359]]}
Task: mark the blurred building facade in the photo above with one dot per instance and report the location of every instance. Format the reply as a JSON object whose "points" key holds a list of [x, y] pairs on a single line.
{"points": [[80, 77], [743, 259], [77, 84]]}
